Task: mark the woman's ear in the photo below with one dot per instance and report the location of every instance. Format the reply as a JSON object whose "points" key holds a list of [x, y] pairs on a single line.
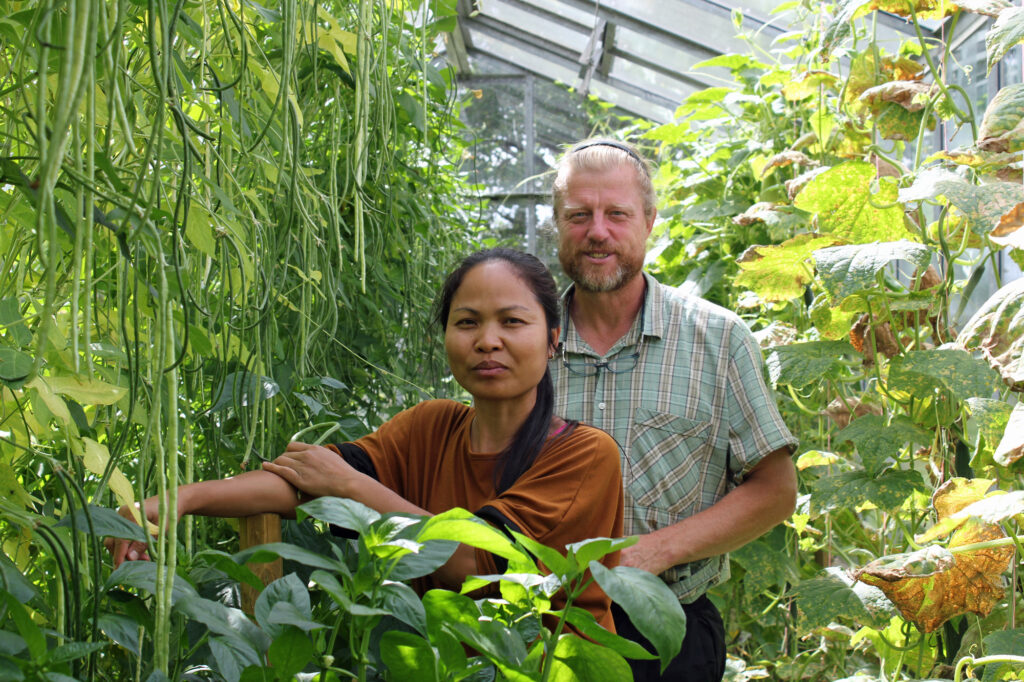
{"points": [[553, 342]]}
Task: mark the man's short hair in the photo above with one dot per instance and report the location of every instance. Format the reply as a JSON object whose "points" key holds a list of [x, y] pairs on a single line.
{"points": [[599, 154]]}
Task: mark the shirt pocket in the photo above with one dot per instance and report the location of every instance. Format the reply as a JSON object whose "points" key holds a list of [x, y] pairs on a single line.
{"points": [[668, 463]]}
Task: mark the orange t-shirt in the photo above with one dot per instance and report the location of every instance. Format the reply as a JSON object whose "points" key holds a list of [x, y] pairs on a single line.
{"points": [[572, 492]]}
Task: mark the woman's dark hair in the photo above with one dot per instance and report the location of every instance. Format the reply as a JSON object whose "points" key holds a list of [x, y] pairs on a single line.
{"points": [[529, 439]]}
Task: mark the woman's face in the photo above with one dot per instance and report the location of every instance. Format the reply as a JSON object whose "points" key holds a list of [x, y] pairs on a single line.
{"points": [[496, 336]]}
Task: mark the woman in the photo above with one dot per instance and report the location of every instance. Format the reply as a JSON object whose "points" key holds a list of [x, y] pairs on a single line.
{"points": [[507, 458]]}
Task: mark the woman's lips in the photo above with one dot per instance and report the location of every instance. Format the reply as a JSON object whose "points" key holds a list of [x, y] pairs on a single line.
{"points": [[489, 368]]}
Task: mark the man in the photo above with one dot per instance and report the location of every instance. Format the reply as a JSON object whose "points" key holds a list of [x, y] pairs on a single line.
{"points": [[678, 382]]}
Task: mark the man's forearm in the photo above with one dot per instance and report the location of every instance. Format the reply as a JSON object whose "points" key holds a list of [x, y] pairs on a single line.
{"points": [[765, 498]]}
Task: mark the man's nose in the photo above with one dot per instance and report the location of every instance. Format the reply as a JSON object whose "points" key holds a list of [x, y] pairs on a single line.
{"points": [[598, 230]]}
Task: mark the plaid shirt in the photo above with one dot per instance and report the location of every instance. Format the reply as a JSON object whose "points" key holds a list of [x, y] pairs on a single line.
{"points": [[692, 418]]}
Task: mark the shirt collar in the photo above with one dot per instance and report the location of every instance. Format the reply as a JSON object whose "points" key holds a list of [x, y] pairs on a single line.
{"points": [[653, 316]]}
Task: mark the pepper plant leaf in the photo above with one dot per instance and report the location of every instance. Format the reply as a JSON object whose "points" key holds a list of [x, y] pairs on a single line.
{"points": [[847, 270], [800, 364], [847, 207], [878, 442], [579, 659], [923, 372], [780, 273], [650, 605], [851, 489], [833, 594]]}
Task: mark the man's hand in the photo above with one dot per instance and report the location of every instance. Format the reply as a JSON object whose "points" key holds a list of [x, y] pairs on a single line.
{"points": [[314, 470], [647, 554]]}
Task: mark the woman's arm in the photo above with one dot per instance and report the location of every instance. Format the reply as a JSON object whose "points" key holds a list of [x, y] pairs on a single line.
{"points": [[254, 492], [320, 472]]}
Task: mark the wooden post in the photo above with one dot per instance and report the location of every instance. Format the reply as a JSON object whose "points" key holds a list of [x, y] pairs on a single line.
{"points": [[258, 530]]}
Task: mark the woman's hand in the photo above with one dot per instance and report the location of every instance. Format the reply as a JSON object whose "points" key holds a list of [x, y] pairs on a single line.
{"points": [[314, 470], [123, 549]]}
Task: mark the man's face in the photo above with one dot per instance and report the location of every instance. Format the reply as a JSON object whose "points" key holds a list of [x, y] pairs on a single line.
{"points": [[602, 228]]}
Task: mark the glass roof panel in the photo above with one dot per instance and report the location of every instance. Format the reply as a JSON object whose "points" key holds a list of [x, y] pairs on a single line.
{"points": [[535, 23], [651, 49], [652, 80], [516, 53], [579, 16]]}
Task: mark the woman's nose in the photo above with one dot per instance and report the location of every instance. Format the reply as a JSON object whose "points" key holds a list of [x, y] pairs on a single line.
{"points": [[489, 339]]}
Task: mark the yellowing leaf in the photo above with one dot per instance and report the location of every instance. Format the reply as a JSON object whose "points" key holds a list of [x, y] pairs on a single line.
{"points": [[780, 273], [809, 83], [91, 392], [816, 458], [911, 95], [95, 458], [847, 206], [199, 231], [1002, 126], [932, 585], [49, 397]]}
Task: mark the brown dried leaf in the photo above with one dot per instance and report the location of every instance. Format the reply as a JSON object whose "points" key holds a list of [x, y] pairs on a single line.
{"points": [[794, 186], [911, 95], [755, 214], [1008, 232], [839, 412], [997, 330], [884, 339], [957, 493], [788, 158], [932, 585]]}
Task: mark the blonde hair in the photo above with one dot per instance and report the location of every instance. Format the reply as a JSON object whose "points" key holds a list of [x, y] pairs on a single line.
{"points": [[600, 154]]}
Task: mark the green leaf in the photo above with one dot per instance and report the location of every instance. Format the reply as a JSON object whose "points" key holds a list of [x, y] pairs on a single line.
{"points": [[1004, 642], [341, 512], [1002, 126], [582, 553], [650, 605], [833, 594], [13, 582], [766, 566], [587, 625], [843, 198], [232, 657], [13, 324], [878, 442], [780, 273], [460, 616], [988, 421], [409, 657], [404, 604], [839, 27], [244, 389], [851, 489], [261, 554], [801, 364], [1006, 32], [287, 613], [846, 270], [923, 372], [10, 645], [459, 525], [122, 630], [288, 589], [72, 651], [576, 660], [226, 563], [1011, 446], [14, 365], [105, 523], [31, 633], [142, 575], [982, 205], [226, 621], [551, 558]]}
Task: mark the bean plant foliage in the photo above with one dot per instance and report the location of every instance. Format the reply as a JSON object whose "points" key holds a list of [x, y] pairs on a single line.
{"points": [[223, 223], [802, 195]]}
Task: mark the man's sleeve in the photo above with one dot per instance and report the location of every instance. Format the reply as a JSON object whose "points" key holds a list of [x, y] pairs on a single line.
{"points": [[756, 428]]}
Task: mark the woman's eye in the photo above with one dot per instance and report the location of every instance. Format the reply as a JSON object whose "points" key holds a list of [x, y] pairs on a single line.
{"points": [[514, 320], [465, 322]]}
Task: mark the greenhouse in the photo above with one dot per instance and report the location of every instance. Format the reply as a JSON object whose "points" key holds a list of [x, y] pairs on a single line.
{"points": [[285, 395]]}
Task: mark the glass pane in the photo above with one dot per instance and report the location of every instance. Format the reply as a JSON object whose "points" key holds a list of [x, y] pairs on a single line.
{"points": [[495, 121], [967, 69], [538, 24]]}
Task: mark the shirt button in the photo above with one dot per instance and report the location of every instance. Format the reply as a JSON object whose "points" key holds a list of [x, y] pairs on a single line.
{"points": [[600, 406]]}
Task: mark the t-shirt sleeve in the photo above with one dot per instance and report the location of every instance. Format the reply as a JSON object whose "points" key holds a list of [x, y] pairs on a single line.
{"points": [[756, 428]]}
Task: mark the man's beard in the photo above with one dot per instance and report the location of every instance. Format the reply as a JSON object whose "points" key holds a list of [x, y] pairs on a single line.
{"points": [[577, 272]]}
